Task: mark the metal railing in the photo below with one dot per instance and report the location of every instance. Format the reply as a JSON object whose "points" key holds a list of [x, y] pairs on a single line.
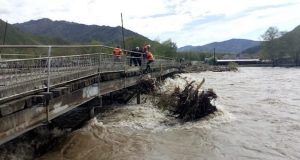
{"points": [[19, 76]]}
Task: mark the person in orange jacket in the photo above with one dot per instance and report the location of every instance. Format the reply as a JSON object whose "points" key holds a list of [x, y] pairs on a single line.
{"points": [[150, 59], [117, 52], [146, 48]]}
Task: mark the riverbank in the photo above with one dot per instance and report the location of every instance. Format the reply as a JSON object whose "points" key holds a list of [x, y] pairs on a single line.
{"points": [[206, 67]]}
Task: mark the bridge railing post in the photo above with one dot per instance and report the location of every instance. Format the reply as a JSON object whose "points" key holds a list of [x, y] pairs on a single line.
{"points": [[99, 77], [160, 72], [141, 63], [125, 60], [49, 69], [48, 80]]}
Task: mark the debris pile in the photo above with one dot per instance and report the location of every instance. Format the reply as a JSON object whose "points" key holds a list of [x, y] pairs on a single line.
{"points": [[187, 104], [146, 85], [190, 103]]}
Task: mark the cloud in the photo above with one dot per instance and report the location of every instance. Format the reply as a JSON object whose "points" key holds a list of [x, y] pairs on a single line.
{"points": [[160, 15], [203, 20], [5, 8], [266, 7], [3, 11], [187, 22]]}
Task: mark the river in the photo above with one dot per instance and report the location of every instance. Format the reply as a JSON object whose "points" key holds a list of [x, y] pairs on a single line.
{"points": [[258, 118]]}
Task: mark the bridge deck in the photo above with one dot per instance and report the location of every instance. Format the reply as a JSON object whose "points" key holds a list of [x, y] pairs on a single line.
{"points": [[29, 75], [35, 91]]}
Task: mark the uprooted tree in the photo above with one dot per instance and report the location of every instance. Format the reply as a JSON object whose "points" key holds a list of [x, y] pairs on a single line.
{"points": [[188, 104]]}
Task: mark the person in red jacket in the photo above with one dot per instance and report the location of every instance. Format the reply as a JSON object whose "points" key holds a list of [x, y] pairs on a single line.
{"points": [[150, 59], [117, 52]]}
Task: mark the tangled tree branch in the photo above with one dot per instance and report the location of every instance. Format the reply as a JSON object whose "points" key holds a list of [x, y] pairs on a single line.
{"points": [[187, 105], [190, 103]]}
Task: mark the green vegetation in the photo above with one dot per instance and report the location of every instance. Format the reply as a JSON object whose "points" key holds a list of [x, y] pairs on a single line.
{"points": [[233, 66], [281, 47], [133, 42], [166, 48], [14, 36], [46, 31]]}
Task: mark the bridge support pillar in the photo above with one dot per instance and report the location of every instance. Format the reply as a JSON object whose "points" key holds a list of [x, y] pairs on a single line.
{"points": [[111, 97], [138, 98], [92, 112], [100, 101]]}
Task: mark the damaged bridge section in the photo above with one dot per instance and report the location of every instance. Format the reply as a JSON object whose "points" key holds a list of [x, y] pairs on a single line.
{"points": [[35, 91]]}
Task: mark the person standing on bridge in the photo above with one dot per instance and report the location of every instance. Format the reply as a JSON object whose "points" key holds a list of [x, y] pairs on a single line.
{"points": [[117, 52], [140, 56], [134, 56], [145, 50], [150, 59], [146, 47]]}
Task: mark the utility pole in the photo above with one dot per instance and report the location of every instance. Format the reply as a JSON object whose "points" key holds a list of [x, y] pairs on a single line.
{"points": [[122, 31], [4, 33], [214, 56], [4, 36]]}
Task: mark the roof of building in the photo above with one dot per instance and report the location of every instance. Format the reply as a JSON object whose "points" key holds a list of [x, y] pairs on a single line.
{"points": [[238, 60]]}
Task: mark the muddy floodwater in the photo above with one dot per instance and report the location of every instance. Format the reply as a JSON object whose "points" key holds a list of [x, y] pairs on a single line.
{"points": [[258, 118]]}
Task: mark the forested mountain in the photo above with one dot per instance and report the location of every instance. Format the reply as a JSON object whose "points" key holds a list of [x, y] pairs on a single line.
{"points": [[16, 36], [62, 32], [75, 32], [230, 46], [252, 50]]}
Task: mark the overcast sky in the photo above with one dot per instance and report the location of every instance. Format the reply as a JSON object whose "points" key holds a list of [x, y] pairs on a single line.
{"points": [[186, 22]]}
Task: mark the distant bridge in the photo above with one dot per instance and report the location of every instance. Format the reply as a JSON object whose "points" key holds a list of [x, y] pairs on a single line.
{"points": [[33, 91]]}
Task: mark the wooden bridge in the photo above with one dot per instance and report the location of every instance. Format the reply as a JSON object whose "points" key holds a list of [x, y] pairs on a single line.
{"points": [[34, 91]]}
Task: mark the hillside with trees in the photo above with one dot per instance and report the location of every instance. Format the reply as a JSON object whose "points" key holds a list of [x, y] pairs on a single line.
{"points": [[15, 36], [281, 47], [77, 33], [44, 35]]}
